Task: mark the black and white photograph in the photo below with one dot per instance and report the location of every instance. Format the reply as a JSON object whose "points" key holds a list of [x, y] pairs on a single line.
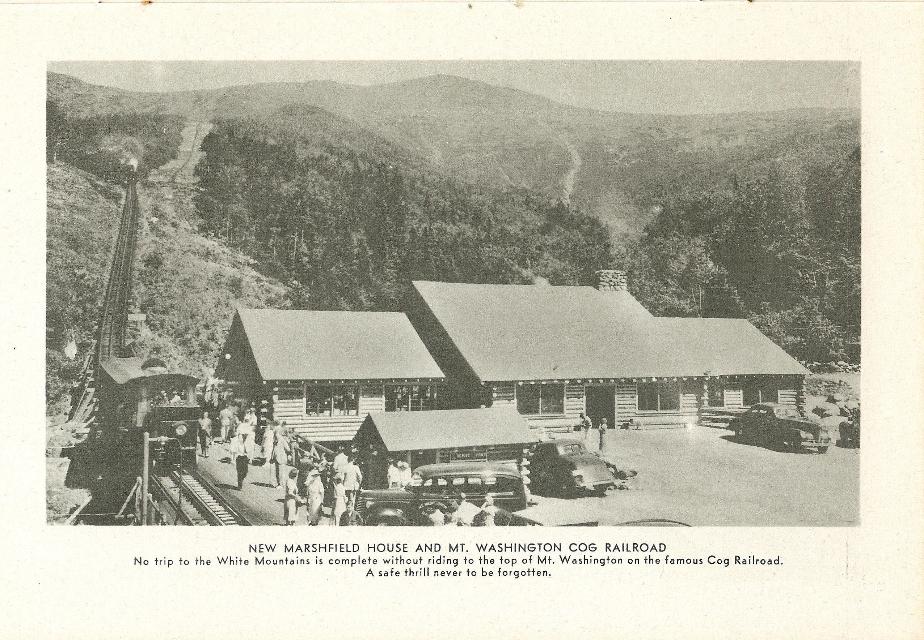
{"points": [[618, 277], [454, 293]]}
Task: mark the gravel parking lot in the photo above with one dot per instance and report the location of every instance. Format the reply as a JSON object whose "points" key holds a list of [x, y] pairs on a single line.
{"points": [[703, 476]]}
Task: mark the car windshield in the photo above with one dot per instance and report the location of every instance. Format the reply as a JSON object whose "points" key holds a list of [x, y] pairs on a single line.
{"points": [[571, 448], [786, 412]]}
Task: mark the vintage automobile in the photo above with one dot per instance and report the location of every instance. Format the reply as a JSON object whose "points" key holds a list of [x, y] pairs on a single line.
{"points": [[439, 485], [566, 467], [780, 426]]}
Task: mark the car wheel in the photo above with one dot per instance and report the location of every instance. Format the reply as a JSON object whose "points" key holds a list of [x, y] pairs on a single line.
{"points": [[389, 521], [822, 449], [600, 492]]}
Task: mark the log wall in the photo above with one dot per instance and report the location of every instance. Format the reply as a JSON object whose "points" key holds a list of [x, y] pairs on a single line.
{"points": [[288, 404]]}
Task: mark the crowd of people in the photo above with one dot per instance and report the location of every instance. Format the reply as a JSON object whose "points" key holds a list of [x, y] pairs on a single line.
{"points": [[313, 478]]}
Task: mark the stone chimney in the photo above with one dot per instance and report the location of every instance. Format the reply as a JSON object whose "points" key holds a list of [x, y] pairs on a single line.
{"points": [[611, 280]]}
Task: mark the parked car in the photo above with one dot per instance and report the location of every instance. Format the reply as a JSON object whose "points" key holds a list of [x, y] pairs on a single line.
{"points": [[438, 485], [565, 467], [780, 426]]}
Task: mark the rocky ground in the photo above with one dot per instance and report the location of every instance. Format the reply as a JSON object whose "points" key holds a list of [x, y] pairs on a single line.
{"points": [[843, 386], [188, 285], [61, 500]]}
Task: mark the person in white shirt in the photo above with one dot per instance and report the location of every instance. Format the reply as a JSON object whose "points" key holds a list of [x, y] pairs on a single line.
{"points": [[489, 511], [585, 424], [227, 423], [407, 476], [249, 425], [315, 497], [240, 453], [394, 474], [352, 480], [340, 462], [339, 501], [465, 513]]}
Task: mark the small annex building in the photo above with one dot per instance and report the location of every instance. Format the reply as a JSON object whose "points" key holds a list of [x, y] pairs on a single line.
{"points": [[497, 433], [322, 372], [556, 351]]}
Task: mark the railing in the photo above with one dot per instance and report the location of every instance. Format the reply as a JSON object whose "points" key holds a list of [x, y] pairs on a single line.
{"points": [[303, 446]]}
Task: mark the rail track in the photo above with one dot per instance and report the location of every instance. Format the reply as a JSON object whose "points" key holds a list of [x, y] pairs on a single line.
{"points": [[116, 300], [185, 497], [196, 501], [109, 341]]}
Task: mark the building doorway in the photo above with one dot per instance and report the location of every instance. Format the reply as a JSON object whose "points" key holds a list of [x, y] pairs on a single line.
{"points": [[600, 402]]}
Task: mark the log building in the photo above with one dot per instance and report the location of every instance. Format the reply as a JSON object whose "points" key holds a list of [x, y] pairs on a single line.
{"points": [[322, 372], [455, 435], [556, 351]]}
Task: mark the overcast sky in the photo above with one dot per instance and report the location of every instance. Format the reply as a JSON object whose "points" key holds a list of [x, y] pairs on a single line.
{"points": [[632, 86]]}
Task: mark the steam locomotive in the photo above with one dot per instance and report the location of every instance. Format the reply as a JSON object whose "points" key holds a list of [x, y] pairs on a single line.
{"points": [[138, 396]]}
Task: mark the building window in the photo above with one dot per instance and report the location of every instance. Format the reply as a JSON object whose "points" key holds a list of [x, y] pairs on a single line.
{"points": [[541, 399], [759, 391], [410, 397], [331, 400], [658, 396]]}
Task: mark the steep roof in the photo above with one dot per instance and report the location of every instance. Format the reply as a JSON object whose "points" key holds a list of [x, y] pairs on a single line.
{"points": [[529, 332], [446, 429], [334, 345], [730, 346]]}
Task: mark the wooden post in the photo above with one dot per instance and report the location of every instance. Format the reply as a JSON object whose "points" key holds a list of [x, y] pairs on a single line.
{"points": [[704, 401], [145, 480]]}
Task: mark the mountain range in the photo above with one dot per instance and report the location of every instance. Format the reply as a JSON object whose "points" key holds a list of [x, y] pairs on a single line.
{"points": [[619, 167]]}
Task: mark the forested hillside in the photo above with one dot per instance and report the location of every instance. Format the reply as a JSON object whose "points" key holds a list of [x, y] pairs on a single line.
{"points": [[350, 218], [350, 225], [781, 248]]}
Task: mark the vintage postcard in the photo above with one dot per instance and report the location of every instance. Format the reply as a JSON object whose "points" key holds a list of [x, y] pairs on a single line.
{"points": [[614, 296]]}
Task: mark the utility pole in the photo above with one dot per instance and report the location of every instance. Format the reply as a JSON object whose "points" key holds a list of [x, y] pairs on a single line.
{"points": [[145, 479]]}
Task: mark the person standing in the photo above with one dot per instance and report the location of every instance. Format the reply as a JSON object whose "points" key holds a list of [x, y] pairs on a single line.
{"points": [[394, 474], [226, 416], [340, 461], [239, 451], [205, 433], [249, 424], [280, 455], [315, 490], [407, 476], [603, 428], [584, 424], [352, 479], [269, 441], [340, 501], [292, 499]]}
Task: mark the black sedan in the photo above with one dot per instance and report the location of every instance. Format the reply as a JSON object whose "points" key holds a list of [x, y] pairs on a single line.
{"points": [[565, 467], [780, 427]]}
